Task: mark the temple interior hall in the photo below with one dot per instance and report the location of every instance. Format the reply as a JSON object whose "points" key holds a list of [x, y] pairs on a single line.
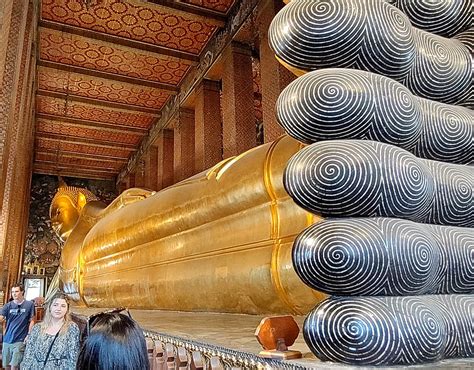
{"points": [[119, 94], [151, 162], [124, 94]]}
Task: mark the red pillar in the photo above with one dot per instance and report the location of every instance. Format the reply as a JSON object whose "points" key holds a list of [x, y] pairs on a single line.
{"points": [[165, 159], [151, 168], [184, 145], [274, 76], [208, 126], [140, 175], [131, 180], [238, 112]]}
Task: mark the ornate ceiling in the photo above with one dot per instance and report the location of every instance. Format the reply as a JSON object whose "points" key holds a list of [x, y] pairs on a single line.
{"points": [[106, 69]]}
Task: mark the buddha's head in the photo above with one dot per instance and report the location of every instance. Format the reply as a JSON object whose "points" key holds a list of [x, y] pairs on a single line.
{"points": [[66, 208]]}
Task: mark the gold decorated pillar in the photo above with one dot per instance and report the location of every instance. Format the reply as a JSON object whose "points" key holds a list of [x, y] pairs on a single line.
{"points": [[17, 73]]}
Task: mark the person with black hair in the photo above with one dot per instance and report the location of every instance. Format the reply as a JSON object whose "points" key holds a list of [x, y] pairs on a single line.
{"points": [[53, 343], [115, 342], [19, 314]]}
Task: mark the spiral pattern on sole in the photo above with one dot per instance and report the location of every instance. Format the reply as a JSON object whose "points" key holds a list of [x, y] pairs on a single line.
{"points": [[451, 68], [313, 34], [447, 134], [444, 18], [390, 330], [383, 256], [366, 178], [457, 245], [453, 203], [348, 104]]}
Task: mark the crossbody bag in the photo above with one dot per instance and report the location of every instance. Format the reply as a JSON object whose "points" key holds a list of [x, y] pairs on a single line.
{"points": [[51, 347]]}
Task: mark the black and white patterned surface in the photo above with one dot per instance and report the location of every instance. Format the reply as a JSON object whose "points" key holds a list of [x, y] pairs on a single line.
{"points": [[467, 38], [338, 103], [384, 256], [447, 134], [444, 18], [442, 69], [458, 249], [385, 267], [310, 34], [369, 179], [314, 34], [453, 201], [391, 330]]}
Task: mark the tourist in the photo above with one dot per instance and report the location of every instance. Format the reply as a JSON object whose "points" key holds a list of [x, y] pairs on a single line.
{"points": [[19, 315], [53, 343], [115, 342]]}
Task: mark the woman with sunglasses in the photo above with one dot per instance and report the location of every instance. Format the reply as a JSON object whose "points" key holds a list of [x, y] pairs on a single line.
{"points": [[53, 343]]}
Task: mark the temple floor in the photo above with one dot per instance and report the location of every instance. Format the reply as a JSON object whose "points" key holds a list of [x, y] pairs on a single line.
{"points": [[236, 332]]}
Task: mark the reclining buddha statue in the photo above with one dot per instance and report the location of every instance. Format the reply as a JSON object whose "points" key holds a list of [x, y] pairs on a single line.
{"points": [[383, 104], [218, 241]]}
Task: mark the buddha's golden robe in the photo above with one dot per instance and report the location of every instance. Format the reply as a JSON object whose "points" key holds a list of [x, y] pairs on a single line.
{"points": [[219, 241]]}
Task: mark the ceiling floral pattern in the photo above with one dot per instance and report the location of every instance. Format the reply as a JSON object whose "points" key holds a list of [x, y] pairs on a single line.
{"points": [[51, 157], [44, 144], [134, 20], [73, 50], [101, 89], [217, 5], [59, 128], [107, 70], [90, 112]]}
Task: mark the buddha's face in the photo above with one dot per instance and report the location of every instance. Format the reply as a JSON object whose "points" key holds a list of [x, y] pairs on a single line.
{"points": [[64, 215]]}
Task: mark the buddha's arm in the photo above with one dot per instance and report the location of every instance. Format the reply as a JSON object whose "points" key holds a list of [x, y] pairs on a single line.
{"points": [[129, 196]]}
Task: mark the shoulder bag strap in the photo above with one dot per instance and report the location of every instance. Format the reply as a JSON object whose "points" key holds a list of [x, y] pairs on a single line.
{"points": [[51, 347]]}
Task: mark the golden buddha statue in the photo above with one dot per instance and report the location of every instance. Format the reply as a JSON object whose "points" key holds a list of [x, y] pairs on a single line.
{"points": [[219, 241]]}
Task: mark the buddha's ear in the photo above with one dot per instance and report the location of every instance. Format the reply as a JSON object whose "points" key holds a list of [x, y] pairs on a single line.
{"points": [[81, 201]]}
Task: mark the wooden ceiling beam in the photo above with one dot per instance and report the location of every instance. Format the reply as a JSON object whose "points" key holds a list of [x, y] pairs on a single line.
{"points": [[69, 173], [214, 17], [69, 154], [56, 166], [75, 166], [81, 140], [117, 40], [169, 89], [98, 102], [108, 127]]}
